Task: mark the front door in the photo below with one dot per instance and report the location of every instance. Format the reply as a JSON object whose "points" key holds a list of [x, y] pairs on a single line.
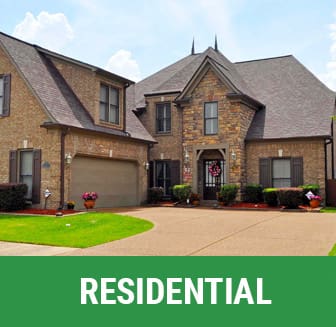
{"points": [[214, 177]]}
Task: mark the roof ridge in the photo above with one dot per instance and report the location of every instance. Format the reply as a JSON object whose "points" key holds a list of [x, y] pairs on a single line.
{"points": [[270, 58]]}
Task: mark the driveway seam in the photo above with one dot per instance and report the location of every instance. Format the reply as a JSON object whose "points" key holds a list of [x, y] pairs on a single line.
{"points": [[232, 234]]}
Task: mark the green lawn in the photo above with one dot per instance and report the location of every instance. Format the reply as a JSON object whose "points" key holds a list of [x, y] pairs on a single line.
{"points": [[332, 253], [85, 230], [329, 210]]}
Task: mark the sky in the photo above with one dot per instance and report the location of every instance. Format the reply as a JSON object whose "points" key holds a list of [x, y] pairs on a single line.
{"points": [[137, 38]]}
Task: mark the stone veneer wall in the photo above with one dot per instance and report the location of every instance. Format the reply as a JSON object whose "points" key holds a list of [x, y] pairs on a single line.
{"points": [[312, 152], [234, 119]]}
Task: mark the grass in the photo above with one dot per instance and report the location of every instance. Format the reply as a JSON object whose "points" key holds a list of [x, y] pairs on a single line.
{"points": [[332, 253], [329, 210], [85, 230]]}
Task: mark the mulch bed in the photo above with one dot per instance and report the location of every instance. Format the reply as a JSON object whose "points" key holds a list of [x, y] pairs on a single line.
{"points": [[51, 212]]}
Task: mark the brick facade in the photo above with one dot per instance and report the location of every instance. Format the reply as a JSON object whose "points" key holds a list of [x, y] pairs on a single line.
{"points": [[86, 85], [312, 152], [22, 129]]}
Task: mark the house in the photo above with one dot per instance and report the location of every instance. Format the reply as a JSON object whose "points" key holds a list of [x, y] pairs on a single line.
{"points": [[70, 127], [265, 121], [65, 128]]}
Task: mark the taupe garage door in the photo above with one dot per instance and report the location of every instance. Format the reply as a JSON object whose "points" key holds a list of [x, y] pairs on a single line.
{"points": [[115, 181]]}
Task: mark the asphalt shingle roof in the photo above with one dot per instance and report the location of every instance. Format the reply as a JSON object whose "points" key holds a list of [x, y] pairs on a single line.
{"points": [[296, 103], [59, 101]]}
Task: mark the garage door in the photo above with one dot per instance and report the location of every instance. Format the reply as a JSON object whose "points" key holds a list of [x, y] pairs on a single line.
{"points": [[115, 181]]}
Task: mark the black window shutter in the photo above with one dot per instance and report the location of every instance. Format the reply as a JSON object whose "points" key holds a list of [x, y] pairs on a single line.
{"points": [[36, 196], [6, 99], [151, 174], [175, 172], [265, 172], [297, 171], [13, 166]]}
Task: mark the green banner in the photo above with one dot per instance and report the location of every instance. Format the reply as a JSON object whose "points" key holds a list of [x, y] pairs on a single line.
{"points": [[168, 291]]}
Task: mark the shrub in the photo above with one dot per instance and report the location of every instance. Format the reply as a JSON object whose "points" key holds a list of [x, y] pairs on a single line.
{"points": [[182, 192], [314, 188], [290, 197], [271, 196], [155, 194], [253, 193], [228, 193], [12, 196]]}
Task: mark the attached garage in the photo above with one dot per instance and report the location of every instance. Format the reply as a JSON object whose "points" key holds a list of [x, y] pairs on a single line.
{"points": [[115, 181]]}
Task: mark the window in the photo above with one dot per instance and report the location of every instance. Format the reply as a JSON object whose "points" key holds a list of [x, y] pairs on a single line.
{"points": [[4, 94], [210, 118], [281, 176], [25, 167], [164, 173], [281, 172], [163, 176], [109, 104], [163, 118], [26, 171]]}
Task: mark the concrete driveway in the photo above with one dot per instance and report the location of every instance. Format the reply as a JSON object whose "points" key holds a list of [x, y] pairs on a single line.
{"points": [[210, 232]]}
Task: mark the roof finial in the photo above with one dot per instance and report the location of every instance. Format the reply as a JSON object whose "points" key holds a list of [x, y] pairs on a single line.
{"points": [[216, 44], [193, 47]]}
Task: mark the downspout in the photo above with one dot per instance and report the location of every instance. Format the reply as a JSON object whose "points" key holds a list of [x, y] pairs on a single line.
{"points": [[326, 143], [332, 150], [62, 156], [126, 85]]}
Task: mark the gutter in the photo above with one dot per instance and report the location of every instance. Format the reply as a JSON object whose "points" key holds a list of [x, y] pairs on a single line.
{"points": [[64, 132]]}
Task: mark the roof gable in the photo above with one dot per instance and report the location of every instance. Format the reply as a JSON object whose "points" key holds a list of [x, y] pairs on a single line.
{"points": [[55, 95]]}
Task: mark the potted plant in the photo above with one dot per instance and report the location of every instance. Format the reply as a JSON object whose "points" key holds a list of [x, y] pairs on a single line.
{"points": [[195, 199], [70, 205], [315, 201], [89, 199]]}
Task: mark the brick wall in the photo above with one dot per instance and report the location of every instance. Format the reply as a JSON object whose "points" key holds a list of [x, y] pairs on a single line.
{"points": [[86, 85], [169, 145], [312, 152], [23, 124]]}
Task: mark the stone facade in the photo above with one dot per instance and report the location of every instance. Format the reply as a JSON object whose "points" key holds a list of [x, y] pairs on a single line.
{"points": [[187, 134], [312, 152], [234, 119], [23, 130]]}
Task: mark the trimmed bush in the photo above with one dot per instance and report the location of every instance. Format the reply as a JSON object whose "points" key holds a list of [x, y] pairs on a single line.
{"points": [[271, 196], [290, 197], [12, 196], [155, 194], [228, 193], [314, 188], [253, 193], [182, 192]]}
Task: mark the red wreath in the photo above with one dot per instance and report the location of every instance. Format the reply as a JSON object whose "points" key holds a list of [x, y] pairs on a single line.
{"points": [[215, 169]]}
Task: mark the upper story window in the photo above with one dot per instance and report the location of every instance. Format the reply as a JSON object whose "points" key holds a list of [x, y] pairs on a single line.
{"points": [[109, 104], [163, 118], [4, 94], [210, 118]]}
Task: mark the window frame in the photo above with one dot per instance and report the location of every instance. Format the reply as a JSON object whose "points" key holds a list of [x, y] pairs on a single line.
{"points": [[109, 105], [213, 118], [164, 119], [289, 160]]}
